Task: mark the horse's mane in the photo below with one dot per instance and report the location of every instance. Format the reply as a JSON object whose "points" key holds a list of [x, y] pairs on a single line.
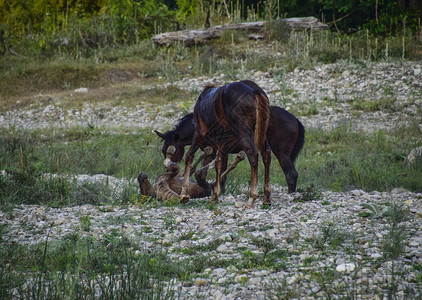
{"points": [[208, 86], [182, 122]]}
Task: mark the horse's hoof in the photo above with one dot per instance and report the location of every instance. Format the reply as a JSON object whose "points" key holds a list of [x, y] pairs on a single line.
{"points": [[208, 150], [142, 177], [171, 150], [241, 155], [267, 203], [184, 199]]}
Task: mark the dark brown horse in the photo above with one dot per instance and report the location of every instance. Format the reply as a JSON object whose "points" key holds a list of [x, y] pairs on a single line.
{"points": [[231, 119], [285, 134]]}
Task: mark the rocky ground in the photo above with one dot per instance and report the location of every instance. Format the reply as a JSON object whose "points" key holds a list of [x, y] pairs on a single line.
{"points": [[328, 246], [333, 245], [369, 96]]}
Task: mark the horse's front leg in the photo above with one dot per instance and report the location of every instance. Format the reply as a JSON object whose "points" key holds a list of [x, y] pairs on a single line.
{"points": [[184, 195], [218, 168]]}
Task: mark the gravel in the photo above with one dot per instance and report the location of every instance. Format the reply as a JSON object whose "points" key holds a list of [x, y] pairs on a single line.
{"points": [[356, 262], [324, 97]]}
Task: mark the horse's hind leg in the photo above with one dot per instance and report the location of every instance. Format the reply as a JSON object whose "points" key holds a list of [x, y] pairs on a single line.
{"points": [[266, 157], [289, 171], [252, 154], [144, 185], [218, 168]]}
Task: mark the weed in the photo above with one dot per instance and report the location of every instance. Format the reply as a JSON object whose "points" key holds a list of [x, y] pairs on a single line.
{"points": [[308, 194], [329, 235], [85, 223], [394, 242], [375, 211]]}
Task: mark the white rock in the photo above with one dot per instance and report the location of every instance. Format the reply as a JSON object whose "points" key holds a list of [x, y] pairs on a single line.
{"points": [[414, 155], [240, 278], [219, 272], [255, 280], [81, 90], [376, 255], [239, 204], [346, 268], [218, 295]]}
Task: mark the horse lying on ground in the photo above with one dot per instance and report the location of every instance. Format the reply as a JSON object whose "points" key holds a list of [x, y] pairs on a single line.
{"points": [[169, 184], [285, 135]]}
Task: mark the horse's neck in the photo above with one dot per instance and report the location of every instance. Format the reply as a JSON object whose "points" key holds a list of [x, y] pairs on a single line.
{"points": [[185, 135]]}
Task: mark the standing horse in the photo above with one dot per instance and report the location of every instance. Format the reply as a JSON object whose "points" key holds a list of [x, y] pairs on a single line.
{"points": [[285, 134], [231, 118]]}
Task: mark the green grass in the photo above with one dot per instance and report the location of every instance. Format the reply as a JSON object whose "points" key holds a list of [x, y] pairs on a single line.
{"points": [[83, 268], [338, 160]]}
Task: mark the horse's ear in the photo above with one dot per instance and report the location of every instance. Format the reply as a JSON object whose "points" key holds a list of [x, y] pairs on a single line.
{"points": [[159, 134]]}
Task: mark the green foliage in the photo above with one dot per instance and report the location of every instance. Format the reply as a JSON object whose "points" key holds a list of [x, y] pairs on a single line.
{"points": [[79, 27], [186, 8]]}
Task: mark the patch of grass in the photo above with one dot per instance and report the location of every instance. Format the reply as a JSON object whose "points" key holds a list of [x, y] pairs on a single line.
{"points": [[78, 267], [329, 236], [273, 259], [339, 159], [350, 160], [308, 194], [394, 243]]}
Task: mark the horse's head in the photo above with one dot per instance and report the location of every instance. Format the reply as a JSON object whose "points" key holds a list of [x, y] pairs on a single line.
{"points": [[171, 138], [179, 137]]}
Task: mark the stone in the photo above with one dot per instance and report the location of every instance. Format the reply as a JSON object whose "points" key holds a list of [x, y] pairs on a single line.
{"points": [[346, 268], [203, 223], [223, 248], [414, 155], [239, 204], [218, 295], [81, 90], [219, 272], [199, 282], [376, 255], [241, 278], [399, 191], [255, 280]]}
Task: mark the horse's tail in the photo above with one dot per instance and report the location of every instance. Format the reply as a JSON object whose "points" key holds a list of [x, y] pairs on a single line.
{"points": [[299, 142], [262, 118]]}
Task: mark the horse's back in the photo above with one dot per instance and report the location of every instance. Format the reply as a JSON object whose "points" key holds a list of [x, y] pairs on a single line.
{"points": [[239, 104], [283, 130], [204, 110]]}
